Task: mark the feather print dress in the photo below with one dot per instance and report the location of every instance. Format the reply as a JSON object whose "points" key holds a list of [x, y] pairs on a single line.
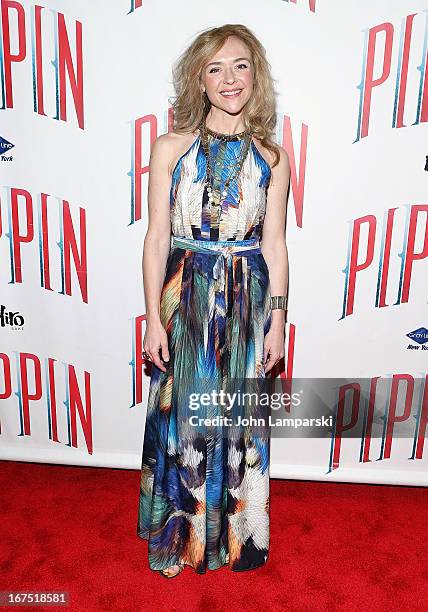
{"points": [[204, 490]]}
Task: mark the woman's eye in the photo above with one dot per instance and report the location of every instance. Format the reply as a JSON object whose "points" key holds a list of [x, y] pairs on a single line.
{"points": [[238, 65]]}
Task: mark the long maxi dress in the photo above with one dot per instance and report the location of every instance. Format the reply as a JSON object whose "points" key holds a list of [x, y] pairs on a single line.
{"points": [[204, 491]]}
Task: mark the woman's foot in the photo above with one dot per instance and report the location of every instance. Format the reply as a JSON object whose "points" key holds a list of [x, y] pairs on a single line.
{"points": [[172, 571]]}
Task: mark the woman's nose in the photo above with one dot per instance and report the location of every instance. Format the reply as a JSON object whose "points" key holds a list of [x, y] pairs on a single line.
{"points": [[229, 75]]}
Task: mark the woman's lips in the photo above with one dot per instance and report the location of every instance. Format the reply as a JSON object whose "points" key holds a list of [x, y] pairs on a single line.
{"points": [[226, 93]]}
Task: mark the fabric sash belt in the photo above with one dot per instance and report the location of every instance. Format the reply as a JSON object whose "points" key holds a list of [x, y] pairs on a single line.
{"points": [[225, 249]]}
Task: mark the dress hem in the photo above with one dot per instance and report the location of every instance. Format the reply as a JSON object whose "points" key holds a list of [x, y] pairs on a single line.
{"points": [[226, 564]]}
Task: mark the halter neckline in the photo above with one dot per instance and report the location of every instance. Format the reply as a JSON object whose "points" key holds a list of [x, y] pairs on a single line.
{"points": [[228, 137]]}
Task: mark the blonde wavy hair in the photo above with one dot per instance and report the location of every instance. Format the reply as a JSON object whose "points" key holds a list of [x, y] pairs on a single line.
{"points": [[191, 105]]}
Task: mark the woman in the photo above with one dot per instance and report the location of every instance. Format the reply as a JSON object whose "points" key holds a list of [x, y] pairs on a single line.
{"points": [[215, 305]]}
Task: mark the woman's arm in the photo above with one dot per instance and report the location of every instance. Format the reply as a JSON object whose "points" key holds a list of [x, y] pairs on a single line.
{"points": [[275, 252], [157, 243]]}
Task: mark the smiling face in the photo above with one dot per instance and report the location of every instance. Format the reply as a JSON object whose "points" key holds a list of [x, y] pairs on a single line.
{"points": [[228, 76]]}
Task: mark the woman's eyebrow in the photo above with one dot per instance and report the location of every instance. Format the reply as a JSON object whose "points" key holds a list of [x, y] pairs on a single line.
{"points": [[235, 60]]}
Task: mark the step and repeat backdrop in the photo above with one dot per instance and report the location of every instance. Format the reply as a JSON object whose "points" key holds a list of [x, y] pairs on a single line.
{"points": [[85, 89]]}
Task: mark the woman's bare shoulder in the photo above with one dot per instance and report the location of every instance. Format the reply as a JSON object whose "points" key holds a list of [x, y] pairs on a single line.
{"points": [[267, 153], [172, 145]]}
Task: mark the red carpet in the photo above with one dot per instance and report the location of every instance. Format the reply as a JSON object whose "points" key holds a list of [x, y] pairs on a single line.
{"points": [[333, 547]]}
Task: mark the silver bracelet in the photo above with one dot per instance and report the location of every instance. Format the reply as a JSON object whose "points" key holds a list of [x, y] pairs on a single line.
{"points": [[279, 301]]}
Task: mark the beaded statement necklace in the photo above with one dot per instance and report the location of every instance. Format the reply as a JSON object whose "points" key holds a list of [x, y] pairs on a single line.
{"points": [[216, 191]]}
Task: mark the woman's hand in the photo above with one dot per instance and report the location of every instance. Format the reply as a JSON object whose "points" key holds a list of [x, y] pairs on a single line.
{"points": [[274, 344], [156, 338]]}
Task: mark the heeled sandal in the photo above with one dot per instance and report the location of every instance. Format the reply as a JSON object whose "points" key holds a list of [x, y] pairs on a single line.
{"points": [[181, 568]]}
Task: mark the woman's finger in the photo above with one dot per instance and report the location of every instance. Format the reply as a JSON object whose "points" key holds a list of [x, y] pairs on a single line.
{"points": [[165, 351], [157, 360]]}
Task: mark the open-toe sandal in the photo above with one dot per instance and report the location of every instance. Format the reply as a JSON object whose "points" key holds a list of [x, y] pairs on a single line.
{"points": [[181, 568]]}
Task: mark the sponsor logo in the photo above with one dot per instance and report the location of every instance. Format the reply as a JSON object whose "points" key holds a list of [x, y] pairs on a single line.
{"points": [[14, 320], [5, 147], [419, 335]]}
